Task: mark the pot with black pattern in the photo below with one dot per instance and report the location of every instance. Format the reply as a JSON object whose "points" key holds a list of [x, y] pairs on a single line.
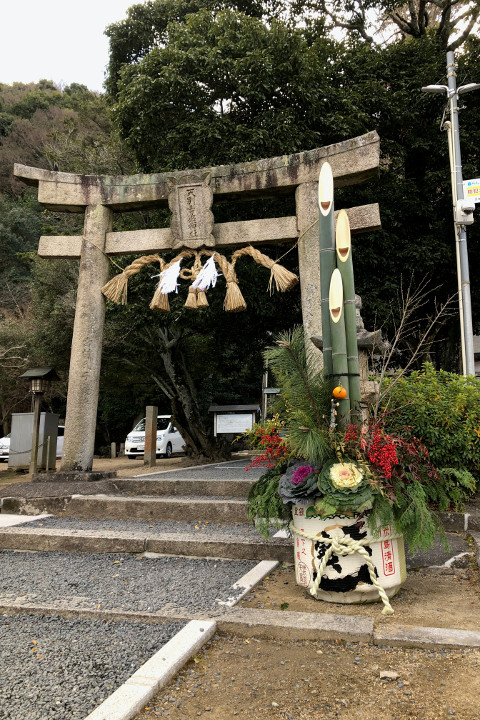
{"points": [[355, 566]]}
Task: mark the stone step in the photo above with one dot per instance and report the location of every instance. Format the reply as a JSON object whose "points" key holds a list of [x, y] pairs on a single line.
{"points": [[184, 486], [192, 508], [211, 544]]}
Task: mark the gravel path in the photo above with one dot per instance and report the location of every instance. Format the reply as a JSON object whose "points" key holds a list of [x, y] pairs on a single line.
{"points": [[150, 527], [52, 667], [118, 581]]}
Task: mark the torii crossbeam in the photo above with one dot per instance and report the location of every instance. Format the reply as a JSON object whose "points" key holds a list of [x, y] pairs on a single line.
{"points": [[190, 195]]}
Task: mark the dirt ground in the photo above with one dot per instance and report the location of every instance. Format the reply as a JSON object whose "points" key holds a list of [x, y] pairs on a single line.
{"points": [[252, 679], [430, 597], [258, 679]]}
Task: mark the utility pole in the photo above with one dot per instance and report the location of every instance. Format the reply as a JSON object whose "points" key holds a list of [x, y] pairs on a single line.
{"points": [[462, 209]]}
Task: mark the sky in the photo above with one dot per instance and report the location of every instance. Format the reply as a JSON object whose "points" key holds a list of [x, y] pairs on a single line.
{"points": [[58, 40]]}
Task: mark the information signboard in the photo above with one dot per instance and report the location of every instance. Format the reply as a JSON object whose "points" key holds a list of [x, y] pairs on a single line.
{"points": [[234, 422], [471, 190]]}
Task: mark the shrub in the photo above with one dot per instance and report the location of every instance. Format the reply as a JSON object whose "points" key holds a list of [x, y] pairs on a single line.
{"points": [[442, 410]]}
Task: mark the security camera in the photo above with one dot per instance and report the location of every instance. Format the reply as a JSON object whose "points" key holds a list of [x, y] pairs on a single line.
{"points": [[464, 212]]}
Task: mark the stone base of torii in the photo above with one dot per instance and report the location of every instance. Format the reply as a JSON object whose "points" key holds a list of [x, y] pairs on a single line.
{"points": [[190, 195]]}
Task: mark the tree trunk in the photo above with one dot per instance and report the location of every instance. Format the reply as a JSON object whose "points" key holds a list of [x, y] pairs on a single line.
{"points": [[181, 391]]}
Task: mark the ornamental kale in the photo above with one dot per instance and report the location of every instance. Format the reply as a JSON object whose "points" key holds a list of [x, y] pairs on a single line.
{"points": [[343, 487], [298, 482]]}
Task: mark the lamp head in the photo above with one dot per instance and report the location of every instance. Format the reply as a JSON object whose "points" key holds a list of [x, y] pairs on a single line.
{"points": [[435, 88]]}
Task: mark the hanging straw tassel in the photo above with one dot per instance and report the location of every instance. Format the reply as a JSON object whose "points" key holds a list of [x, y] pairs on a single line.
{"points": [[160, 301], [116, 289], [191, 301], [234, 301], [201, 299], [284, 279], [168, 283]]}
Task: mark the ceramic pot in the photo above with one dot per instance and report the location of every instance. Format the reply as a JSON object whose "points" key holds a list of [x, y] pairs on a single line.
{"points": [[346, 579]]}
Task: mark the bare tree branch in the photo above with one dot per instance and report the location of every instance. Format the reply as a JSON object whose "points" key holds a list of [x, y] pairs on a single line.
{"points": [[411, 302], [463, 36]]}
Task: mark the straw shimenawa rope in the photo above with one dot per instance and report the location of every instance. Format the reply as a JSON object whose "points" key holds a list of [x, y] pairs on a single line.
{"points": [[283, 278], [116, 289]]}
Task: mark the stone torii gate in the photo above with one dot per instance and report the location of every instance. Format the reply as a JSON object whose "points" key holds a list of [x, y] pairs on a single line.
{"points": [[190, 195]]}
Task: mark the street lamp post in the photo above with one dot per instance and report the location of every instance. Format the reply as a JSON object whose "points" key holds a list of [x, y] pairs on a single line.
{"points": [[462, 209], [40, 380]]}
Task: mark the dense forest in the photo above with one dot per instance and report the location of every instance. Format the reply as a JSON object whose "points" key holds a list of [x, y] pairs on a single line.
{"points": [[191, 86]]}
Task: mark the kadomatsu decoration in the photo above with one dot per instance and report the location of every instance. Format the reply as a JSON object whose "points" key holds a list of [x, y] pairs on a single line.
{"points": [[354, 490]]}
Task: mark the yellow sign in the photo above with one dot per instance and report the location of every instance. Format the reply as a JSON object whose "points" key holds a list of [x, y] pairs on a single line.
{"points": [[471, 190]]}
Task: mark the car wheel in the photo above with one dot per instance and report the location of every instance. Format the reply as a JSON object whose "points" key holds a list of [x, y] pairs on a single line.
{"points": [[132, 457], [168, 450]]}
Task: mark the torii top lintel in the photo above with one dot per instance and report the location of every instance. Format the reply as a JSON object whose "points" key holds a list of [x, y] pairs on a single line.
{"points": [[352, 161]]}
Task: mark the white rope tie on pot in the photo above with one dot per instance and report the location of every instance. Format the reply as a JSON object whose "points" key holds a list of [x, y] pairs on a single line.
{"points": [[345, 546]]}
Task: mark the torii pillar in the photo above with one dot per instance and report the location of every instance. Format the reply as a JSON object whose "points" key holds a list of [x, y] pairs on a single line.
{"points": [[99, 196]]}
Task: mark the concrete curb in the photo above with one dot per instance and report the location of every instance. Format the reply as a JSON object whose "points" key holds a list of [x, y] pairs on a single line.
{"points": [[188, 544], [426, 637], [183, 486], [250, 622], [248, 581], [9, 520], [190, 467], [158, 508], [284, 625], [153, 675]]}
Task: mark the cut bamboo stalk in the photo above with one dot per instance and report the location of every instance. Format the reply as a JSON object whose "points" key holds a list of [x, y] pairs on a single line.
{"points": [[339, 343], [327, 258], [345, 265]]}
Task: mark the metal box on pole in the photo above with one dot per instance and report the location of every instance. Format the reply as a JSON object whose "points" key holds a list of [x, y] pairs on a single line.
{"points": [[21, 441]]}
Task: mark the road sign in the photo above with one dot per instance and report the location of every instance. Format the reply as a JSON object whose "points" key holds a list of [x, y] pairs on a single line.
{"points": [[471, 190]]}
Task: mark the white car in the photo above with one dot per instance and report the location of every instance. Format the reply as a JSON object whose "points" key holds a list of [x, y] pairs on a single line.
{"points": [[61, 432], [169, 439], [4, 448]]}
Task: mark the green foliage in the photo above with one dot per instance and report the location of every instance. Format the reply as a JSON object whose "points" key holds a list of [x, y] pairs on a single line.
{"points": [[146, 26], [306, 396], [20, 227], [265, 507], [442, 409], [226, 87], [450, 492], [410, 515]]}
